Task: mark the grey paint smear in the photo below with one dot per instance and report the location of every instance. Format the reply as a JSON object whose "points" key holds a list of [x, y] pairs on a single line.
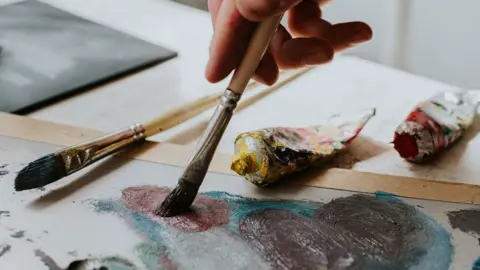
{"points": [[47, 52], [387, 231], [4, 249], [290, 241], [49, 262], [4, 214], [355, 232], [108, 263], [466, 220], [19, 234]]}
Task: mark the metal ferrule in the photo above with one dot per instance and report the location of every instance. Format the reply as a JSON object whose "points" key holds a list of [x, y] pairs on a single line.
{"points": [[200, 161], [79, 156]]}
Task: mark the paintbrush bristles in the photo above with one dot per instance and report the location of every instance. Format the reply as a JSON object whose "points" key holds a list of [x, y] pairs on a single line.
{"points": [[179, 200], [39, 173]]}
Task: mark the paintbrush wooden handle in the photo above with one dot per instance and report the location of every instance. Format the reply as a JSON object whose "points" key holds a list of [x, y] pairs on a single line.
{"points": [[183, 113], [186, 112], [256, 49], [180, 114]]}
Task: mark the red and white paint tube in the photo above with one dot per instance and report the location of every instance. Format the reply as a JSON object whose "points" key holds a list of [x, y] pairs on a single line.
{"points": [[435, 124]]}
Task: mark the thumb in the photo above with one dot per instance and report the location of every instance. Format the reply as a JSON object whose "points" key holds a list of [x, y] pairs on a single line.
{"points": [[258, 10]]}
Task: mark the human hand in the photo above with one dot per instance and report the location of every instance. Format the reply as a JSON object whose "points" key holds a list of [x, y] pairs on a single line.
{"points": [[310, 40]]}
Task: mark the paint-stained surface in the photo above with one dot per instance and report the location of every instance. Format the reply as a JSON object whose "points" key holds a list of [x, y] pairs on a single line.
{"points": [[226, 231], [466, 220]]}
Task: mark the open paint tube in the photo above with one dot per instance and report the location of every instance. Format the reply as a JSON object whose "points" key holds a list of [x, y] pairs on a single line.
{"points": [[435, 124], [264, 156]]}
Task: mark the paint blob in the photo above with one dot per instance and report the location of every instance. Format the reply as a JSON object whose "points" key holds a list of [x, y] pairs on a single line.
{"points": [[4, 214], [18, 234], [226, 231], [4, 249], [2, 171], [467, 220]]}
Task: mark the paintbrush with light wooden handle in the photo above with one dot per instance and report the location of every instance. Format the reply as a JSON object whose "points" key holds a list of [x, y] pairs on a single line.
{"points": [[183, 195], [55, 166]]}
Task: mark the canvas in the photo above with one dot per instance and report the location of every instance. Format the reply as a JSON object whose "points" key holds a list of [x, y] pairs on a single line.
{"points": [[103, 216]]}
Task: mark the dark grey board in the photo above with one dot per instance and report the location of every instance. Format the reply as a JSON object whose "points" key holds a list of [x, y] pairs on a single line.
{"points": [[198, 4], [48, 54]]}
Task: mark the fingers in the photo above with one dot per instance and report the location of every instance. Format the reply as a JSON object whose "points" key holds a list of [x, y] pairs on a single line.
{"points": [[300, 52], [305, 21], [346, 35], [258, 10], [230, 40], [323, 3], [213, 8], [267, 71]]}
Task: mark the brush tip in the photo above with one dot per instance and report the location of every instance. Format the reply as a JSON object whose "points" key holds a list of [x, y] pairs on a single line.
{"points": [[39, 173], [178, 201]]}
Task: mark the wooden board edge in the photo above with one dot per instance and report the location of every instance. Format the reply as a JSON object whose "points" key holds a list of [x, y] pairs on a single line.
{"points": [[177, 155], [408, 187]]}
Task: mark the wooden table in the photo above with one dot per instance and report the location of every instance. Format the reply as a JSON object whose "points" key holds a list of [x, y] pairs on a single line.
{"points": [[346, 86]]}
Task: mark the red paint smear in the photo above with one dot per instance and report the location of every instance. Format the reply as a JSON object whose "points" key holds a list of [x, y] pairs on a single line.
{"points": [[406, 145], [206, 212], [168, 264]]}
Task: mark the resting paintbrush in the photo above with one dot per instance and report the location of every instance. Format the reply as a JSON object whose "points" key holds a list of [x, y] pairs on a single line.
{"points": [[55, 166], [182, 197]]}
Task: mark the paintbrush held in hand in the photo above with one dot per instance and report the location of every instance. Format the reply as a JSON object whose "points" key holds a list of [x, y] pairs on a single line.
{"points": [[183, 195]]}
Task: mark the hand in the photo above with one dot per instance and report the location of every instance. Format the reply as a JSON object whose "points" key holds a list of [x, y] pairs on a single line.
{"points": [[309, 41]]}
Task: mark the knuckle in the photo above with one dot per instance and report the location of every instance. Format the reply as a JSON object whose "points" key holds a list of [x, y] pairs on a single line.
{"points": [[256, 10]]}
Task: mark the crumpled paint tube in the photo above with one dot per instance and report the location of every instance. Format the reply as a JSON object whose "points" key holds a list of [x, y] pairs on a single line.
{"points": [[264, 156], [435, 124]]}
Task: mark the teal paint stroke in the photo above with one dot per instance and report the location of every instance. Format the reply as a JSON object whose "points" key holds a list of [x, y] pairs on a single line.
{"points": [[476, 264], [440, 248], [154, 252], [241, 207]]}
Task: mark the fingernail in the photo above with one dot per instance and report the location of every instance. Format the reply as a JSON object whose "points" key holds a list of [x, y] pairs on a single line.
{"points": [[360, 35], [316, 58]]}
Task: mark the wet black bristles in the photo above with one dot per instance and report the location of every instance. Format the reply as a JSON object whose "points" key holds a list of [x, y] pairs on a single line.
{"points": [[179, 200], [40, 172]]}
